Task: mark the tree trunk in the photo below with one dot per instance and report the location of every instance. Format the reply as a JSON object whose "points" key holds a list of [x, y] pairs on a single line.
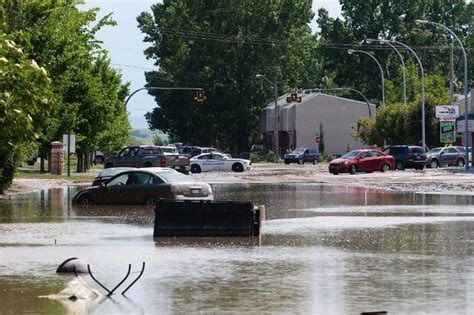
{"points": [[80, 162]]}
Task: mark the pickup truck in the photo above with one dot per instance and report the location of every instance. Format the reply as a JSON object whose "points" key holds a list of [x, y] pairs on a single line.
{"points": [[148, 156]]}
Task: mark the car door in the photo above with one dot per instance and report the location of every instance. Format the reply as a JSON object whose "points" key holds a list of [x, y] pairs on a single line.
{"points": [[448, 156], [309, 155], [138, 187], [113, 191], [376, 161], [127, 157], [205, 162], [219, 162], [365, 161]]}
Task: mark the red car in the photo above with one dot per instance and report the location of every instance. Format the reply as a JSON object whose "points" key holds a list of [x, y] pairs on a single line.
{"points": [[369, 160]]}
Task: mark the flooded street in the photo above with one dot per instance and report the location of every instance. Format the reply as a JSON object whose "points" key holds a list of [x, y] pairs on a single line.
{"points": [[324, 250]]}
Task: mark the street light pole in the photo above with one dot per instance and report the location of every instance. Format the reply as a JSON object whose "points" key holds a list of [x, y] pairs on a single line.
{"points": [[422, 74], [351, 51], [159, 88], [275, 123], [342, 89], [369, 40], [466, 133]]}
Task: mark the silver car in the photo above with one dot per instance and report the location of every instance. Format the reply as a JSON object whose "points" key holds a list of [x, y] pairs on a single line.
{"points": [[444, 156], [145, 186]]}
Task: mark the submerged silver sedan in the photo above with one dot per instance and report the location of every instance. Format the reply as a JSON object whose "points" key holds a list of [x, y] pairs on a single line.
{"points": [[145, 186]]}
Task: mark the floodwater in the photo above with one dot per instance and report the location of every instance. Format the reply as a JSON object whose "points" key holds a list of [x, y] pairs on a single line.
{"points": [[324, 250]]}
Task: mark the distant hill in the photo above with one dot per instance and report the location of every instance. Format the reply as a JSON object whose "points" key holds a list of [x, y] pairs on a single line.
{"points": [[145, 136]]}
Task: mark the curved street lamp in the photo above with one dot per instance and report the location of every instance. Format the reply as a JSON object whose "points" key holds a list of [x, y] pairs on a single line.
{"points": [[342, 89], [370, 40], [275, 123], [422, 74], [352, 51], [159, 88], [466, 134]]}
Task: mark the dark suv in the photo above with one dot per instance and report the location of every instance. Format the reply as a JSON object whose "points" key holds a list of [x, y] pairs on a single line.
{"points": [[407, 156], [301, 155]]}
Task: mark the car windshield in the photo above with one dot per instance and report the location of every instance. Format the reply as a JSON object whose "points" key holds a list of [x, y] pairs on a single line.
{"points": [[350, 154], [112, 171], [173, 176], [435, 150], [298, 150], [168, 149]]}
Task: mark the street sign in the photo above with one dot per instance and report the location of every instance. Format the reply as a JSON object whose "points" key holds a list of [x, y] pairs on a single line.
{"points": [[73, 143], [317, 133], [461, 125], [446, 111], [447, 132], [317, 140]]}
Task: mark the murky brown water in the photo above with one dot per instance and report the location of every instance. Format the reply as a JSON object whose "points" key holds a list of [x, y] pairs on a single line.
{"points": [[325, 250]]}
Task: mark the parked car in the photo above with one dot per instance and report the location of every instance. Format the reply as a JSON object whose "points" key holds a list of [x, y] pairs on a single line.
{"points": [[99, 158], [144, 186], [444, 156], [369, 160], [407, 156], [463, 150], [148, 156], [216, 161], [108, 173], [169, 149], [302, 155]]}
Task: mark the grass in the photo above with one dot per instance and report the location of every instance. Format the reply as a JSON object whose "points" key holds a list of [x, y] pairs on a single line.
{"points": [[33, 172], [38, 175]]}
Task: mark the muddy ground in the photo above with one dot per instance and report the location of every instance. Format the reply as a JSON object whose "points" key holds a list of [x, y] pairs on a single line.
{"points": [[445, 180]]}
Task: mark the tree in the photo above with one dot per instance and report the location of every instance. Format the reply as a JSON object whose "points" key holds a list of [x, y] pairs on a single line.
{"points": [[321, 139], [88, 94], [397, 123], [25, 91], [221, 46], [389, 20]]}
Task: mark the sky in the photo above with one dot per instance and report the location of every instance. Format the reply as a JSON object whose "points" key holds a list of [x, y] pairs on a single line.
{"points": [[125, 45]]}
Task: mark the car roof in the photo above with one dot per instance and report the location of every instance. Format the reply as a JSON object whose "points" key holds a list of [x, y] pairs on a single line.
{"points": [[114, 171], [157, 169], [207, 153]]}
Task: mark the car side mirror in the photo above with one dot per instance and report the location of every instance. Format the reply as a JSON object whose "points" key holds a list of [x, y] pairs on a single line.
{"points": [[102, 185], [441, 153]]}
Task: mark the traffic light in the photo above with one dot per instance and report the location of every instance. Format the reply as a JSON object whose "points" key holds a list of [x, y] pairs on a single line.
{"points": [[293, 98], [200, 97]]}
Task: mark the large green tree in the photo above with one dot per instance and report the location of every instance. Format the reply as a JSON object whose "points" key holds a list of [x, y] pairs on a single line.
{"points": [[387, 19], [397, 122], [25, 93], [88, 94], [221, 46]]}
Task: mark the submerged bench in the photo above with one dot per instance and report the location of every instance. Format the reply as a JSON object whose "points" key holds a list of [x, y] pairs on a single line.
{"points": [[207, 219]]}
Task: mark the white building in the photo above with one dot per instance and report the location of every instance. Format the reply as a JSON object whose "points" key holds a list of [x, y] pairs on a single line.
{"points": [[299, 122]]}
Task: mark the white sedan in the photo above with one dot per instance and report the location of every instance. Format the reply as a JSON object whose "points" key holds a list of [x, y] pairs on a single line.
{"points": [[215, 161]]}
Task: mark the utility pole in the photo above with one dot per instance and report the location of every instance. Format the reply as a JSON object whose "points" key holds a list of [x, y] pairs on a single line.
{"points": [[451, 73]]}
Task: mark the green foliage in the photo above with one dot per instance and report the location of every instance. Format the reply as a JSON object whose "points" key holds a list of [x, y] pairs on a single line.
{"points": [[87, 93], [321, 139], [157, 140], [271, 157], [389, 20], [24, 105], [221, 46], [397, 123]]}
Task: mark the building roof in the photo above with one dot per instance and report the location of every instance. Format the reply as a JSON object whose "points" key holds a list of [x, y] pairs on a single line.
{"points": [[282, 103]]}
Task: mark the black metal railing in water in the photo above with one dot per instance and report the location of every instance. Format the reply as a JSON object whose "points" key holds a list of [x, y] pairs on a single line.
{"points": [[110, 292]]}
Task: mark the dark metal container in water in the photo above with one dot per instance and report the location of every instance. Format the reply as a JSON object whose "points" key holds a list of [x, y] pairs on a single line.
{"points": [[207, 219]]}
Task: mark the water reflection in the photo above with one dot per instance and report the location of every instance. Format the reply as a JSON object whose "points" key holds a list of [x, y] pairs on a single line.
{"points": [[324, 249]]}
